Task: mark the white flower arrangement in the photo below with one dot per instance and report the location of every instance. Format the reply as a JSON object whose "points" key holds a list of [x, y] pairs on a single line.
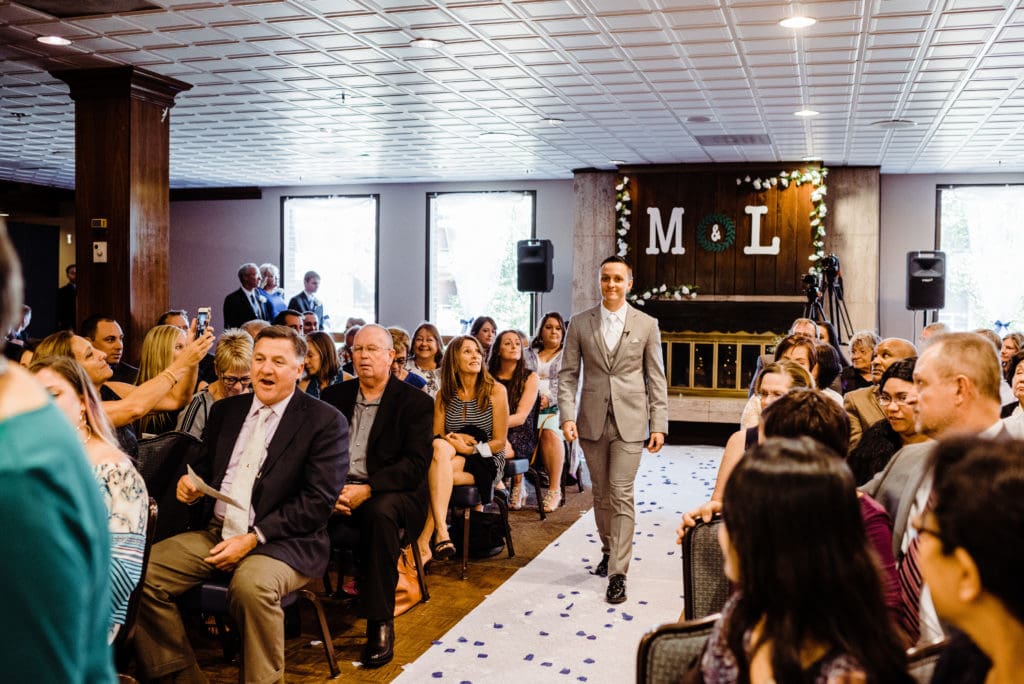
{"points": [[816, 177]]}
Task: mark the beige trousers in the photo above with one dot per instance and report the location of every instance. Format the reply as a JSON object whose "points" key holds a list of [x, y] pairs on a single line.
{"points": [[254, 600], [613, 464]]}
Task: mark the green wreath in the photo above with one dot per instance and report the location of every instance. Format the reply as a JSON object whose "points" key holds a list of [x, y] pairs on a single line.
{"points": [[716, 241]]}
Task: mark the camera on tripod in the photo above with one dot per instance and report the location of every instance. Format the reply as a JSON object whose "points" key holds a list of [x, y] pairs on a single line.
{"points": [[812, 287]]}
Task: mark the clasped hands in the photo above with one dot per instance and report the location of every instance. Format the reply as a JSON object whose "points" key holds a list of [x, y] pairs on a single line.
{"points": [[352, 497]]}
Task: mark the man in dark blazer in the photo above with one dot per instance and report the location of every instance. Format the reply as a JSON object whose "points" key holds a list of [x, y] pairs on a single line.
{"points": [[248, 302], [306, 300], [284, 457], [387, 489]]}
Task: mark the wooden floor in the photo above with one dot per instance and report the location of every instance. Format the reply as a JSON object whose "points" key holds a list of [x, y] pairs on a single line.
{"points": [[451, 599]]}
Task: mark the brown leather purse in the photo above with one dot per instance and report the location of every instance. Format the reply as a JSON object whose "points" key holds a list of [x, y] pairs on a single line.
{"points": [[407, 591]]}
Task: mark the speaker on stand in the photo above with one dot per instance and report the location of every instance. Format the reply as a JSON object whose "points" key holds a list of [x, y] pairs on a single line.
{"points": [[535, 273], [926, 283]]}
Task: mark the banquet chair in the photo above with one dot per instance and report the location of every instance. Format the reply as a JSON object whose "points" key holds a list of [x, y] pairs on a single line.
{"points": [[669, 650], [921, 660], [161, 462], [705, 586]]}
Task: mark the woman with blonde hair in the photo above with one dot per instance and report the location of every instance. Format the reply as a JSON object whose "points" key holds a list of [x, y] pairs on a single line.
{"points": [[233, 364], [161, 346], [470, 429], [121, 485]]}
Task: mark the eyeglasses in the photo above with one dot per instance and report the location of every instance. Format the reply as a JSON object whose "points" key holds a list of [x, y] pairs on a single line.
{"points": [[917, 524], [400, 360], [367, 349], [231, 380], [885, 399]]}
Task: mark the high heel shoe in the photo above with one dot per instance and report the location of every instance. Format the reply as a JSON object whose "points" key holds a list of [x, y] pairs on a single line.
{"points": [[518, 497], [552, 500]]}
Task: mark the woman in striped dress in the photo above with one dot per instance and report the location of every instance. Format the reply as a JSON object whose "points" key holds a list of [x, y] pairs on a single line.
{"points": [[470, 428]]}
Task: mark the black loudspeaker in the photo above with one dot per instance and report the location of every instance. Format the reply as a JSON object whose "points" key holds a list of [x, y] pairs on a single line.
{"points": [[535, 273], [926, 280]]}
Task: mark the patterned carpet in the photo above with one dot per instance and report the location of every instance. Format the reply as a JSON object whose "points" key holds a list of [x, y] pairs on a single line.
{"points": [[550, 623]]}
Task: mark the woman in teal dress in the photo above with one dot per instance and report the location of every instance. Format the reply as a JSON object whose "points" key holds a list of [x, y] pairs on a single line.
{"points": [[121, 487]]}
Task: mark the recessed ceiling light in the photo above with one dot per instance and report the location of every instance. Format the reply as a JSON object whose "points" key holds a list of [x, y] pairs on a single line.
{"points": [[806, 112], [893, 123], [617, 162], [551, 121], [497, 137], [798, 22], [426, 43], [53, 40]]}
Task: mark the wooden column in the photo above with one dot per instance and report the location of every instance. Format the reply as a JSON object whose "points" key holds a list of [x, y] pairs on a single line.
{"points": [[122, 152], [593, 233], [853, 235]]}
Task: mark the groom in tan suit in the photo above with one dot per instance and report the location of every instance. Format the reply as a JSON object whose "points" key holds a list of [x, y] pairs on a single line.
{"points": [[623, 404]]}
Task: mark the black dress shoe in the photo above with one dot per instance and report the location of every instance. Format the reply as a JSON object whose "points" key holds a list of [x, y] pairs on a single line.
{"points": [[380, 643], [616, 589], [602, 568]]}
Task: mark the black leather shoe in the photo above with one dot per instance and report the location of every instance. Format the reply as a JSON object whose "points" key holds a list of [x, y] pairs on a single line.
{"points": [[616, 589], [602, 568], [380, 643]]}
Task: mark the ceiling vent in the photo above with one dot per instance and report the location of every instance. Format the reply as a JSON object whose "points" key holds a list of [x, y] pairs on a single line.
{"points": [[65, 9], [715, 140]]}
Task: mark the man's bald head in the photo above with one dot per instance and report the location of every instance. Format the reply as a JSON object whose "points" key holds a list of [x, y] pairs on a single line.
{"points": [[889, 351]]}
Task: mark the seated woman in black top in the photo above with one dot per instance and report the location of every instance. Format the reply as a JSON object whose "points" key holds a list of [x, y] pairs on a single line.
{"points": [[508, 367], [858, 373]]}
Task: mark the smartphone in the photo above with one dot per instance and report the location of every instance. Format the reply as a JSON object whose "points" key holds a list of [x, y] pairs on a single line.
{"points": [[202, 318]]}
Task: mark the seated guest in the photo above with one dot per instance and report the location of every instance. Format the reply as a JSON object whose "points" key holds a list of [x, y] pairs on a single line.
{"points": [[858, 373], [1014, 374], [179, 318], [1005, 393], [307, 300], [56, 565], [929, 332], [321, 364], [289, 318], [470, 430], [898, 429], [232, 361], [400, 339], [799, 616], [507, 366], [270, 281], [827, 370], [309, 322], [484, 329], [254, 327], [346, 357], [120, 485], [427, 349], [248, 301], [547, 345], [161, 346], [799, 349], [862, 404], [1011, 344], [386, 490], [106, 335], [775, 380], [277, 542], [800, 326], [970, 555], [122, 403]]}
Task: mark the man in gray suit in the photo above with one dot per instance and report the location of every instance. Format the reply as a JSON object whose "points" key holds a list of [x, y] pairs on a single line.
{"points": [[624, 400], [957, 392]]}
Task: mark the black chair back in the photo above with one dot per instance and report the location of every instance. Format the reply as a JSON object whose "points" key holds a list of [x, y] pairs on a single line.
{"points": [[705, 586], [161, 462], [668, 651]]}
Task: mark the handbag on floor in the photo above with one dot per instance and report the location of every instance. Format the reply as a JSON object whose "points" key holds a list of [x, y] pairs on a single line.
{"points": [[407, 591], [486, 533]]}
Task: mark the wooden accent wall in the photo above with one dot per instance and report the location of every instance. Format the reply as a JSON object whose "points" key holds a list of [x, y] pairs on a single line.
{"points": [[712, 189], [122, 151]]}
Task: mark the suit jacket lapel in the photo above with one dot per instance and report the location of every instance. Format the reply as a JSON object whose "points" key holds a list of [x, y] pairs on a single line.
{"points": [[290, 423], [598, 334], [227, 437], [627, 329]]}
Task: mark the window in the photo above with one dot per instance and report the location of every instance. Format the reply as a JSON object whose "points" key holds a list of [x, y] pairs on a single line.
{"points": [[336, 237], [978, 233], [473, 259]]}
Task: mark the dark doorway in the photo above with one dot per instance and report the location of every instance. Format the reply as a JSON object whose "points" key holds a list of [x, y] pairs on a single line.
{"points": [[38, 247]]}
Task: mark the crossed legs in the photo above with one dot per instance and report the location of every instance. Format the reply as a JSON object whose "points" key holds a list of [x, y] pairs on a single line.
{"points": [[447, 469]]}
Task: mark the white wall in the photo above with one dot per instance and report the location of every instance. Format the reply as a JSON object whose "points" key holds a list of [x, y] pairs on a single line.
{"points": [[210, 239], [908, 223]]}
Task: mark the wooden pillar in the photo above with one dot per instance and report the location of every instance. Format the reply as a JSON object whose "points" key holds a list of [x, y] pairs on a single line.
{"points": [[853, 233], [593, 232], [122, 152]]}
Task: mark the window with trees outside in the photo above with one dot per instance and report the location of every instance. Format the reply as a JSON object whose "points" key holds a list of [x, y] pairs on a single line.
{"points": [[335, 236], [473, 261], [979, 232]]}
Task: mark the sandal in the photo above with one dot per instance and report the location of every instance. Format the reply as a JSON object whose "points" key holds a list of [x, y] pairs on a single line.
{"points": [[552, 500], [444, 549], [518, 497]]}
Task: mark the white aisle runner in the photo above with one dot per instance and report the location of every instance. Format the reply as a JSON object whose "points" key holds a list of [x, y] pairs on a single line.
{"points": [[550, 623]]}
